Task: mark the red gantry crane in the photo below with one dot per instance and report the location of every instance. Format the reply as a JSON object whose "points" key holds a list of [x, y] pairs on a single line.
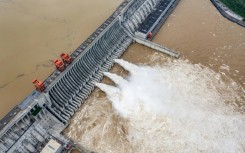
{"points": [[59, 65], [66, 58], [39, 85]]}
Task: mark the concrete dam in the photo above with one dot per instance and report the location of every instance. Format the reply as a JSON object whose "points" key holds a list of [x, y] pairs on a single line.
{"points": [[43, 115]]}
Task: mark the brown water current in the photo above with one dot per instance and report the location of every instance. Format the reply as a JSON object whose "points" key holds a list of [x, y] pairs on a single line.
{"points": [[33, 33], [204, 36]]}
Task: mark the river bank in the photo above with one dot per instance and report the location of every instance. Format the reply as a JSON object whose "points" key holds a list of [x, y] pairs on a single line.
{"points": [[227, 13]]}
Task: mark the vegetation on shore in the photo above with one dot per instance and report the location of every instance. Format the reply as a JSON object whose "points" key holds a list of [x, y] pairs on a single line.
{"points": [[237, 6]]}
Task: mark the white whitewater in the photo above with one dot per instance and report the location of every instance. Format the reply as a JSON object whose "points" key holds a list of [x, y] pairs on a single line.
{"points": [[175, 107], [115, 78]]}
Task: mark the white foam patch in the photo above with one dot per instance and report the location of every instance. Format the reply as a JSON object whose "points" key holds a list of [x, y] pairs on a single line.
{"points": [[175, 107]]}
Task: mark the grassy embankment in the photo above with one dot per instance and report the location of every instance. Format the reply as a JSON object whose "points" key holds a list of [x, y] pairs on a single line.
{"points": [[237, 6]]}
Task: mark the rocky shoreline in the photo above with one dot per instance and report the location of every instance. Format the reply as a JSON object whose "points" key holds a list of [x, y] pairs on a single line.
{"points": [[227, 13]]}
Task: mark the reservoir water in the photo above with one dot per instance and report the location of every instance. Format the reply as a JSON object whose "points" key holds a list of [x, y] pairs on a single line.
{"points": [[34, 33]]}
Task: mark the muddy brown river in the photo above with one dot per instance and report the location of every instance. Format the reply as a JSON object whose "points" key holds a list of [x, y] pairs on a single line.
{"points": [[33, 33], [209, 73]]}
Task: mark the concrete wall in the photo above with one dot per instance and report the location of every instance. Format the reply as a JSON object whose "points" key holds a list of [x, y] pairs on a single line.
{"points": [[68, 93]]}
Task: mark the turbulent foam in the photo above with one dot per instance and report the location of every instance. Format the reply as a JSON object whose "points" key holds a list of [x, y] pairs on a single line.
{"points": [[115, 78], [175, 107]]}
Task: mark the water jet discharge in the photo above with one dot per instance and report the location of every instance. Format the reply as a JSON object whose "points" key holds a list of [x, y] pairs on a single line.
{"points": [[175, 106]]}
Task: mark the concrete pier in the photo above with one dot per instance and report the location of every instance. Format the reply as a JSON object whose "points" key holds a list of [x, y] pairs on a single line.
{"points": [[157, 47]]}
